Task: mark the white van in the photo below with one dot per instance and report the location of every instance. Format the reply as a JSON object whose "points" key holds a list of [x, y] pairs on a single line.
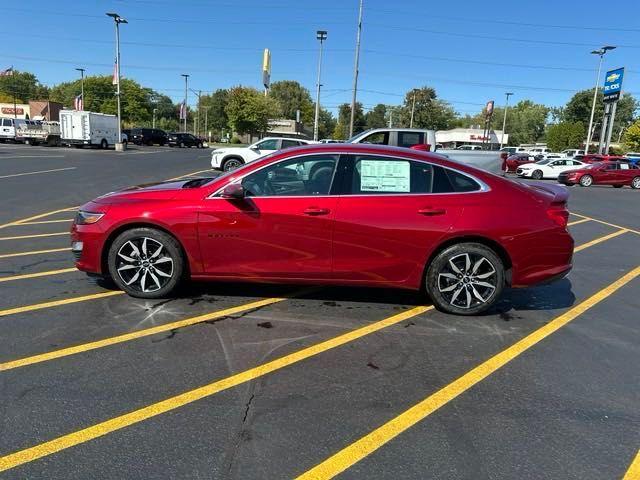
{"points": [[7, 129]]}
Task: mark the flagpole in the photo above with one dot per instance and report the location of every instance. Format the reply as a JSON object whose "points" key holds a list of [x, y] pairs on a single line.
{"points": [[15, 105], [118, 20]]}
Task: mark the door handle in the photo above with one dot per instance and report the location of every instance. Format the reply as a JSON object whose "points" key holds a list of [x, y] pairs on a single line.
{"points": [[314, 211], [430, 212]]}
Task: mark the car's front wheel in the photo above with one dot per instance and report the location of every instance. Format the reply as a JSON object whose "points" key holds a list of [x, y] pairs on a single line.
{"points": [[465, 279], [537, 175], [146, 263], [635, 183], [586, 181], [231, 164]]}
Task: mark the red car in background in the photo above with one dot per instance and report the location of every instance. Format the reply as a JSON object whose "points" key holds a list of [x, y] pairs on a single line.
{"points": [[597, 157], [617, 174], [517, 159], [346, 214]]}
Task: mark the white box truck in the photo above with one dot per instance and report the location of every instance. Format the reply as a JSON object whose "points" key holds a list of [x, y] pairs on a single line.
{"points": [[81, 128]]}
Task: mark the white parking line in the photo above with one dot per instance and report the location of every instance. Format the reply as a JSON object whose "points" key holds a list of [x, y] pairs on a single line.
{"points": [[39, 171], [31, 156]]}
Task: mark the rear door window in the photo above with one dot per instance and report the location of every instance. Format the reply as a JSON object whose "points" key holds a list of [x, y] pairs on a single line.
{"points": [[289, 143], [376, 138], [409, 139]]}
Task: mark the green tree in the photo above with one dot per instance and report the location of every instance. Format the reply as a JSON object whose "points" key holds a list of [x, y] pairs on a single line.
{"points": [[24, 85], [376, 117], [565, 135], [215, 104], [326, 124], [428, 111], [341, 130], [291, 96], [578, 109], [632, 137], [249, 111]]}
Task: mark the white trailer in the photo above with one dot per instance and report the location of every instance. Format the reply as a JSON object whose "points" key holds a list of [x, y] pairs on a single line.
{"points": [[88, 128]]}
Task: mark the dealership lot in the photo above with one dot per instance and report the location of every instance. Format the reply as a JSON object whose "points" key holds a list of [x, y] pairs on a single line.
{"points": [[263, 381]]}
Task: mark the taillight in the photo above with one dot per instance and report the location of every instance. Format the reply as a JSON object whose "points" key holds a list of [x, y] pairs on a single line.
{"points": [[558, 213], [424, 147]]}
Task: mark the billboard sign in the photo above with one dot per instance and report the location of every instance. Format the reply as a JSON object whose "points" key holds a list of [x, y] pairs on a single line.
{"points": [[266, 68], [488, 109], [613, 84]]}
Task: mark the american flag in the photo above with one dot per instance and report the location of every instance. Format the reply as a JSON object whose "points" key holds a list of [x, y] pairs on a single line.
{"points": [[183, 111], [6, 73], [78, 103]]}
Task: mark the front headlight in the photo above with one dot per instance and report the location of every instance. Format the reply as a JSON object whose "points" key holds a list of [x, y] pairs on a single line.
{"points": [[87, 218]]}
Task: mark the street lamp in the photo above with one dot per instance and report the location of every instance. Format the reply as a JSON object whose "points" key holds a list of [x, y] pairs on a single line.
{"points": [[118, 20], [155, 110], [504, 120], [186, 88], [600, 52], [322, 36], [81, 70]]}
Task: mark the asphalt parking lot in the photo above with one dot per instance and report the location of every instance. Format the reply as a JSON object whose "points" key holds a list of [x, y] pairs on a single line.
{"points": [[264, 382]]}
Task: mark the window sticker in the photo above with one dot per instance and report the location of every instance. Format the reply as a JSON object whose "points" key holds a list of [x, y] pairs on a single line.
{"points": [[624, 166], [384, 176]]}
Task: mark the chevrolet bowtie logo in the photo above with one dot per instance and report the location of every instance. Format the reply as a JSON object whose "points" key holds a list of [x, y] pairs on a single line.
{"points": [[613, 77]]}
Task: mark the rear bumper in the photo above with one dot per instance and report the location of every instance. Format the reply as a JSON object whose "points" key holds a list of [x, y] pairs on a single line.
{"points": [[542, 258]]}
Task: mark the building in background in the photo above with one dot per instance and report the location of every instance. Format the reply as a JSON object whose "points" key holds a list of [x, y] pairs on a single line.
{"points": [[469, 136], [21, 110], [45, 110]]}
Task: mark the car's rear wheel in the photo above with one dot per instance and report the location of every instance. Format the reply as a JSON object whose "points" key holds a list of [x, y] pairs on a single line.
{"points": [[181, 144], [537, 175], [465, 279], [146, 263], [586, 181], [617, 186], [103, 144], [231, 164], [635, 183]]}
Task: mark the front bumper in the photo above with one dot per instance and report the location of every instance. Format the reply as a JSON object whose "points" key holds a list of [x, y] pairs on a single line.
{"points": [[216, 161], [523, 173]]}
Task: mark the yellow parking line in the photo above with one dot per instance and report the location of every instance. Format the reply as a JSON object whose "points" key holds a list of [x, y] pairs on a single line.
{"points": [[37, 274], [606, 223], [90, 433], [57, 303], [65, 220], [36, 217], [189, 174], [634, 469], [368, 444], [20, 237], [85, 347], [601, 239], [34, 252], [570, 224]]}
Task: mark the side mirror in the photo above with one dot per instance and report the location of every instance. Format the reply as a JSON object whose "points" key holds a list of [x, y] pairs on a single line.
{"points": [[234, 191], [254, 148]]}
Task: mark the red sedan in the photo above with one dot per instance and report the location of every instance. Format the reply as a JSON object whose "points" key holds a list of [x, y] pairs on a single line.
{"points": [[517, 159], [598, 157], [333, 214], [617, 174]]}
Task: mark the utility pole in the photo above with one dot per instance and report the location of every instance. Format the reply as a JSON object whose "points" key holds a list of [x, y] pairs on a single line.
{"points": [[197, 121], [118, 20], [413, 108], [81, 70], [154, 117], [390, 116], [355, 71], [322, 36], [186, 88], [601, 52], [504, 120]]}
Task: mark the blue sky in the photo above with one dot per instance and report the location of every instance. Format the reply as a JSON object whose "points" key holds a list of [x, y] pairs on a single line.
{"points": [[470, 52]]}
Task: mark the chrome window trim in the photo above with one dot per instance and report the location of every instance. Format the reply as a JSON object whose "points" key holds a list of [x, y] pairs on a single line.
{"points": [[483, 186]]}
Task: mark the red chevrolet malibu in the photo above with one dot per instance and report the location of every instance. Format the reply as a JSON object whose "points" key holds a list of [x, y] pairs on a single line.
{"points": [[333, 214], [616, 174]]}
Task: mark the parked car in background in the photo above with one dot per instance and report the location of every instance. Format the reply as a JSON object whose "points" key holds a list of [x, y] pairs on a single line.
{"points": [[597, 157], [539, 151], [148, 136], [330, 140], [184, 140], [572, 152], [469, 147], [372, 215], [616, 174], [38, 132], [633, 157], [231, 158], [7, 129], [547, 168], [515, 161], [509, 150]]}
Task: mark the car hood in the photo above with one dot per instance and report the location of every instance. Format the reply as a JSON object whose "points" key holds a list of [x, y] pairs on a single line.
{"points": [[152, 191], [227, 150]]}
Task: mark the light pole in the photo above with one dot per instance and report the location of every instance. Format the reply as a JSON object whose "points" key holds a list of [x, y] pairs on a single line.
{"points": [[322, 36], [355, 71], [601, 53], [413, 109], [186, 89], [118, 20], [504, 120], [197, 120], [81, 70], [154, 117]]}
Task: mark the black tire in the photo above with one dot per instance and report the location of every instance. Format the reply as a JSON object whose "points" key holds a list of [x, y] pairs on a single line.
{"points": [[537, 175], [200, 145], [121, 254], [457, 292], [635, 183], [181, 144], [231, 164], [78, 146], [617, 186], [586, 181], [103, 144]]}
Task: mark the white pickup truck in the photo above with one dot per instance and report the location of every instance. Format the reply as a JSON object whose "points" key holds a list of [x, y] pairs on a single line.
{"points": [[420, 139]]}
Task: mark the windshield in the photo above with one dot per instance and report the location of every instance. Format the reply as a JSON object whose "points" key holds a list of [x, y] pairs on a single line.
{"points": [[542, 162]]}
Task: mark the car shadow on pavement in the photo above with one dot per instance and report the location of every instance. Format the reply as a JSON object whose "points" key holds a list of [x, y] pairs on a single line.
{"points": [[552, 296]]}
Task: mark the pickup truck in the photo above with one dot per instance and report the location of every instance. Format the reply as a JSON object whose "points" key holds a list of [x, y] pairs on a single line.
{"points": [[35, 132], [419, 139]]}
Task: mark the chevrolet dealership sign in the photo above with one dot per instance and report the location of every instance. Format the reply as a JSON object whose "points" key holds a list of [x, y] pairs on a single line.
{"points": [[613, 84]]}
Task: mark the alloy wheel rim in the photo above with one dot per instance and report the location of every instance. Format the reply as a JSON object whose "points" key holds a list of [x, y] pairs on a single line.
{"points": [[636, 182], [586, 181], [143, 264], [467, 280], [231, 165]]}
